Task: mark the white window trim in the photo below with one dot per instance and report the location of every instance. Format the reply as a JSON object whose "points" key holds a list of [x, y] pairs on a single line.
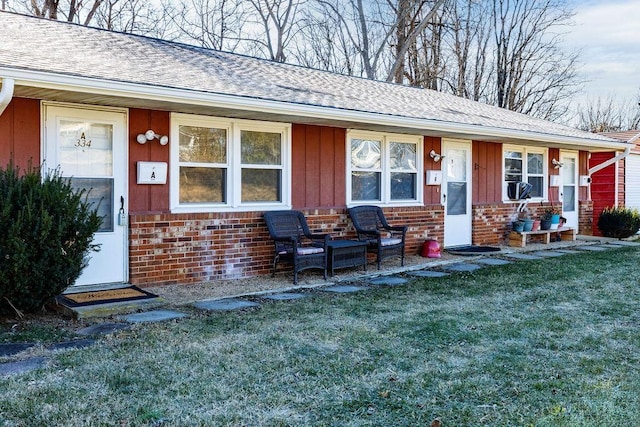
{"points": [[545, 171], [234, 167], [386, 138]]}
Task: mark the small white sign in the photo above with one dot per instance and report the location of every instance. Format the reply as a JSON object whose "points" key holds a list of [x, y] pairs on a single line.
{"points": [[152, 173], [434, 177]]}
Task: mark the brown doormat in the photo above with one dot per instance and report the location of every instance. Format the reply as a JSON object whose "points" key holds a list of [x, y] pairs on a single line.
{"points": [[130, 293]]}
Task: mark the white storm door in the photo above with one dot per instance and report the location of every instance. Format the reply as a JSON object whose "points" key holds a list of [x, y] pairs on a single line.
{"points": [[89, 146], [569, 189], [456, 193]]}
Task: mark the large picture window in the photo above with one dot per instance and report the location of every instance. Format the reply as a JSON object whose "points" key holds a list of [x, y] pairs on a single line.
{"points": [[383, 169], [221, 165], [526, 164]]}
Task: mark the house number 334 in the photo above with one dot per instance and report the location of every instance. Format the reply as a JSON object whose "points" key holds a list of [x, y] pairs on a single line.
{"points": [[83, 141]]}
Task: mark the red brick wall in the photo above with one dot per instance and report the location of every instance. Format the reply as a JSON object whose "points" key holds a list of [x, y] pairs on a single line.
{"points": [[585, 218], [191, 248]]}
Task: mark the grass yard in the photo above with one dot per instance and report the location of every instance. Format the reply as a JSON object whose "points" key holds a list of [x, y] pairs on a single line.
{"points": [[535, 343]]}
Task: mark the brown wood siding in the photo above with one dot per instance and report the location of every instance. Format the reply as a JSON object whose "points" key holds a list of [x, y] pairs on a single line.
{"points": [[20, 133], [144, 199], [583, 169], [554, 192], [486, 172], [318, 162], [432, 192]]}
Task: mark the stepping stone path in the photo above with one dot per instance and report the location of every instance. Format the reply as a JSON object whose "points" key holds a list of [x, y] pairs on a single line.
{"points": [[428, 273], [493, 261], [102, 329], [568, 251], [344, 289], [286, 296], [592, 248], [389, 281], [224, 304], [153, 316], [22, 366], [623, 243], [523, 256], [548, 254], [10, 349], [72, 344], [462, 267]]}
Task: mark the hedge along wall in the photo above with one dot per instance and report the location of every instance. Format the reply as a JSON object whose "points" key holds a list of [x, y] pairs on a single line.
{"points": [[192, 248]]}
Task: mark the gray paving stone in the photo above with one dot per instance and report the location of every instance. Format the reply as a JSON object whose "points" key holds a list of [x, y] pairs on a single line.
{"points": [[225, 304], [523, 256], [592, 248], [610, 246], [428, 273], [10, 349], [154, 316], [344, 289], [623, 243], [66, 345], [548, 254], [22, 366], [389, 281], [102, 329], [462, 267], [286, 296], [492, 261], [568, 251]]}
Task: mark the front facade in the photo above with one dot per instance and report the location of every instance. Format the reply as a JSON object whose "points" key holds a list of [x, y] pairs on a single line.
{"points": [[185, 157]]}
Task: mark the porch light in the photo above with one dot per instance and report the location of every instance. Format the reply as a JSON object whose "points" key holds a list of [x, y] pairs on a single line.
{"points": [[435, 156], [557, 164], [142, 138]]}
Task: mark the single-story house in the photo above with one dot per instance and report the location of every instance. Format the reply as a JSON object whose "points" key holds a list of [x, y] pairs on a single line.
{"points": [[616, 182], [188, 147]]}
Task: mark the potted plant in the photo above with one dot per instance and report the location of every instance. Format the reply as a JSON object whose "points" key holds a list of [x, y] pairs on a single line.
{"points": [[550, 220]]}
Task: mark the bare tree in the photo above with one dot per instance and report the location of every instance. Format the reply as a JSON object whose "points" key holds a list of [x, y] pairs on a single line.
{"points": [[277, 20], [609, 115], [69, 10], [533, 75]]}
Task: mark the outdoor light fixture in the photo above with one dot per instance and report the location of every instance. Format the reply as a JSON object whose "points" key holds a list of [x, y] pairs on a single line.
{"points": [[557, 164], [142, 138], [435, 156]]}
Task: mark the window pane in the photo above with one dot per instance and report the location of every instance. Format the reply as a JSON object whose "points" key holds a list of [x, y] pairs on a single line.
{"points": [[203, 145], [403, 156], [403, 186], [365, 186], [513, 154], [534, 164], [456, 198], [569, 198], [261, 148], [512, 170], [85, 148], [203, 185], [537, 182], [456, 165], [569, 171], [100, 197], [261, 185], [365, 154]]}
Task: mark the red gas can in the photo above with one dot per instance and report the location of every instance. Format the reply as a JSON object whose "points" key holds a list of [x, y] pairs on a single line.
{"points": [[430, 249]]}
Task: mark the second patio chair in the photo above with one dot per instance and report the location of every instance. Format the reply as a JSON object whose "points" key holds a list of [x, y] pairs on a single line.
{"points": [[383, 239], [295, 243]]}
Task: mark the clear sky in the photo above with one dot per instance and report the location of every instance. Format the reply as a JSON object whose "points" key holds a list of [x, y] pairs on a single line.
{"points": [[607, 32]]}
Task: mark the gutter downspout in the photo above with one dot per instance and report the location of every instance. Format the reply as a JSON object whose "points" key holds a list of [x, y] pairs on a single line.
{"points": [[6, 93]]}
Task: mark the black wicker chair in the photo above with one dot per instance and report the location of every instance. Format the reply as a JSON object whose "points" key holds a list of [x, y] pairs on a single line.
{"points": [[294, 242], [383, 239]]}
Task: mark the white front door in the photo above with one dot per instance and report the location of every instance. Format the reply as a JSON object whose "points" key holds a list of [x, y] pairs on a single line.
{"points": [[89, 146], [569, 188], [456, 192]]}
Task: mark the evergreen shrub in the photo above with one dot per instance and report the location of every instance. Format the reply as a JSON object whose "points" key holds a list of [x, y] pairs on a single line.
{"points": [[619, 222], [46, 232]]}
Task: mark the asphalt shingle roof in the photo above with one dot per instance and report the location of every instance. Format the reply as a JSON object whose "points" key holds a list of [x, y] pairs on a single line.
{"points": [[34, 44]]}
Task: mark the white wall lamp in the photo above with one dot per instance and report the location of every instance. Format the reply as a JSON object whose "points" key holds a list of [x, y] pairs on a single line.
{"points": [[435, 156], [142, 138], [557, 164]]}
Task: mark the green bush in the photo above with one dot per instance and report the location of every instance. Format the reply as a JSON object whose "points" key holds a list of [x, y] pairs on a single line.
{"points": [[619, 222], [46, 231]]}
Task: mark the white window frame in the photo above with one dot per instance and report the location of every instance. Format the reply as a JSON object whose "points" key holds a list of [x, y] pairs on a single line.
{"points": [[385, 167], [234, 167], [525, 150]]}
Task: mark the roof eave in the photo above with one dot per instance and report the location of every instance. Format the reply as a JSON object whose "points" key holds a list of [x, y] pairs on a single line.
{"points": [[74, 83]]}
